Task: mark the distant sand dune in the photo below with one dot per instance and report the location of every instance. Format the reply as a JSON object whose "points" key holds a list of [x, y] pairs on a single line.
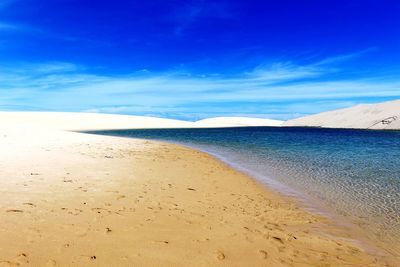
{"points": [[368, 116], [91, 121], [237, 121], [95, 121]]}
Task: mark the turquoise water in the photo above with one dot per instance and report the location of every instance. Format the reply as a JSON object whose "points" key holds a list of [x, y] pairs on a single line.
{"points": [[354, 173]]}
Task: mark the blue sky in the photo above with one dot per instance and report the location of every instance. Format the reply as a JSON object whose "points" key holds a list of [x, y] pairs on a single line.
{"points": [[198, 58]]}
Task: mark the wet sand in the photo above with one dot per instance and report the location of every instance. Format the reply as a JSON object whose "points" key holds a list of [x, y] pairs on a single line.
{"points": [[71, 199]]}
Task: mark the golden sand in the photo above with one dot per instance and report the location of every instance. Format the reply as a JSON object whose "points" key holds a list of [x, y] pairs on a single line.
{"points": [[71, 199]]}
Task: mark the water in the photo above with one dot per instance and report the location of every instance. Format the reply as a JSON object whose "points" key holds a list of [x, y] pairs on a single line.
{"points": [[354, 173]]}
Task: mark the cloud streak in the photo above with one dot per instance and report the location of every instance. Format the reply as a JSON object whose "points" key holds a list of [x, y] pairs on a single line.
{"points": [[266, 91], [6, 3], [188, 14], [344, 58], [6, 26]]}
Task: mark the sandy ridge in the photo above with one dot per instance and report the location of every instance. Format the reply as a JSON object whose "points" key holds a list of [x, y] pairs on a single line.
{"points": [[77, 121], [381, 116]]}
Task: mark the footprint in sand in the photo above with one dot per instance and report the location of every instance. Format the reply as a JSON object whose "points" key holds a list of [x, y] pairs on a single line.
{"points": [[81, 189], [8, 263], [278, 239], [50, 263], [14, 210], [75, 212], [220, 255], [22, 258], [263, 254], [121, 197]]}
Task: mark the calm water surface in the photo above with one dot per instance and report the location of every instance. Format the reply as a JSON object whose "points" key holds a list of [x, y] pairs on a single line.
{"points": [[354, 173]]}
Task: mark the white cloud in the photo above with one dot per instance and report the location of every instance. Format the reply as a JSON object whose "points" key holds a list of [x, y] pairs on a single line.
{"points": [[7, 26], [284, 71], [266, 91], [343, 58]]}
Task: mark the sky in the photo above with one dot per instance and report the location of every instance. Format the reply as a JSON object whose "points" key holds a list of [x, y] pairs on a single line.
{"points": [[198, 58]]}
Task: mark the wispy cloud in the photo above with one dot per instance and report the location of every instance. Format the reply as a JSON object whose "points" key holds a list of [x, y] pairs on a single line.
{"points": [[10, 25], [187, 16], [43, 68], [6, 3], [193, 10], [279, 90], [283, 71], [7, 27], [344, 58]]}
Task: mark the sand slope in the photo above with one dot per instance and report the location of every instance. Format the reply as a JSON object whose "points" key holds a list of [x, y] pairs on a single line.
{"points": [[236, 122], [369, 116], [90, 121], [72, 199], [95, 121]]}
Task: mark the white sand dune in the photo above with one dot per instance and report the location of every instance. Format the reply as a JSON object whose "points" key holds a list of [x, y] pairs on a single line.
{"points": [[236, 122], [95, 121], [91, 121], [384, 115]]}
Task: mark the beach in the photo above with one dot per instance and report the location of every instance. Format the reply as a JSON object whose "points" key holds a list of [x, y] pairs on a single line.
{"points": [[75, 199], [379, 116]]}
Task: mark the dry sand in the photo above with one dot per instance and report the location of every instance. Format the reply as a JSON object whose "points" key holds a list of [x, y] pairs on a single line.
{"points": [[236, 121], [97, 121], [90, 121], [382, 116], [72, 199]]}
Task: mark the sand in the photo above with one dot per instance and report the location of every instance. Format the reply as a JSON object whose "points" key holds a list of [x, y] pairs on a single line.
{"points": [[90, 121], [237, 122], [74, 199], [382, 116], [97, 121]]}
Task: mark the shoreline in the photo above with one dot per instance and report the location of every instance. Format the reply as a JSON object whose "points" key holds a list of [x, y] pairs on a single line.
{"points": [[349, 226], [369, 236], [314, 206], [81, 199]]}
